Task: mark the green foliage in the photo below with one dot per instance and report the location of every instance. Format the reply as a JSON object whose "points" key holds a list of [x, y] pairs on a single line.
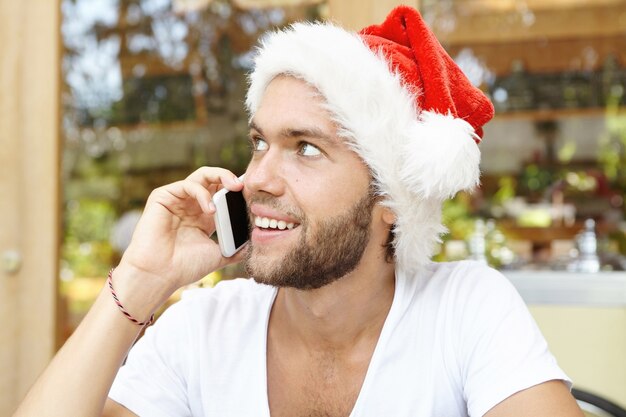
{"points": [[612, 152], [506, 190], [535, 179], [86, 249], [457, 217], [235, 155]]}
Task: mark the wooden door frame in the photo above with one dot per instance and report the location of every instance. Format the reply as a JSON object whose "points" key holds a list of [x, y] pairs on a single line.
{"points": [[29, 191]]}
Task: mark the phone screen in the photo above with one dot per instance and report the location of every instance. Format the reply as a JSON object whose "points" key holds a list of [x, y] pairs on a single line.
{"points": [[238, 214]]}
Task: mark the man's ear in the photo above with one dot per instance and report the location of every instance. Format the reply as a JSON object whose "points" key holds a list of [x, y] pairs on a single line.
{"points": [[389, 216]]}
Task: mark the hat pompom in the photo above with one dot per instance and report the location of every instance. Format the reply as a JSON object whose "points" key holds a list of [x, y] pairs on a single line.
{"points": [[444, 159]]}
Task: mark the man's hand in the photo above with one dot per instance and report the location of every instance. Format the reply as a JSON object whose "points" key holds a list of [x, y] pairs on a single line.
{"points": [[171, 245], [170, 248]]}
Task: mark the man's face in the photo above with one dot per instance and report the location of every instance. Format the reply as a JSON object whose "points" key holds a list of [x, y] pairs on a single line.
{"points": [[308, 192]]}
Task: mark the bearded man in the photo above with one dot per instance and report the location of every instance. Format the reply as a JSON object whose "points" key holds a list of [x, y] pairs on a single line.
{"points": [[357, 140]]}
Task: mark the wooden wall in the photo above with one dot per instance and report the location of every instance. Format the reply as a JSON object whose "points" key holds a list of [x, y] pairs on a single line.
{"points": [[356, 14], [29, 198], [561, 37]]}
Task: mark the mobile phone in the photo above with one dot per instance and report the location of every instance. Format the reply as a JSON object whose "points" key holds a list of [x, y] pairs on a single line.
{"points": [[231, 221]]}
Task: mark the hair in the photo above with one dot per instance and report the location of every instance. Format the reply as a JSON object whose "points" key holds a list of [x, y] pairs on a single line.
{"points": [[390, 250]]}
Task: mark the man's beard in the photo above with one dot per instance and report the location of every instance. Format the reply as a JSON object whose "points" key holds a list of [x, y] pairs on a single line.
{"points": [[334, 250]]}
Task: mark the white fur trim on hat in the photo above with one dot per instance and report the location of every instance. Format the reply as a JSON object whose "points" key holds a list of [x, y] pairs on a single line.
{"points": [[417, 158], [453, 157]]}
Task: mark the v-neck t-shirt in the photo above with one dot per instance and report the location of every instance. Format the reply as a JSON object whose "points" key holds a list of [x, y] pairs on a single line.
{"points": [[457, 340]]}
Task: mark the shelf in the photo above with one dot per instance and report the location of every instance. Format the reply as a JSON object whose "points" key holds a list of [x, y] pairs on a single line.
{"points": [[540, 234], [545, 235]]}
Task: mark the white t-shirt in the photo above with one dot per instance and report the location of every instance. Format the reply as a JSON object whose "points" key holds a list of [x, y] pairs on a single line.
{"points": [[457, 341]]}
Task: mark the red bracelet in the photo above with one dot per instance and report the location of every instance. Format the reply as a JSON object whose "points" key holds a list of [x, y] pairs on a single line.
{"points": [[121, 307]]}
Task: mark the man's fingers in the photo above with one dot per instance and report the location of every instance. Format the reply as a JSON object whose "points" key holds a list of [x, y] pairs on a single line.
{"points": [[199, 186], [208, 176], [187, 188]]}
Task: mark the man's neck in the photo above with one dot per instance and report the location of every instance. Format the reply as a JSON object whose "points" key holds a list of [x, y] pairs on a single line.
{"points": [[338, 316]]}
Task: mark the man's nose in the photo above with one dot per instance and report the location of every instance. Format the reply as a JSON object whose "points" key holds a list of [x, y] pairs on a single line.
{"points": [[266, 173]]}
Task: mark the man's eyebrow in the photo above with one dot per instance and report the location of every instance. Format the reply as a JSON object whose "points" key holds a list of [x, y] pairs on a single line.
{"points": [[308, 132], [254, 126]]}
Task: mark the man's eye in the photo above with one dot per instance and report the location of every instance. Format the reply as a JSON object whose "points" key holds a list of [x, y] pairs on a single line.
{"points": [[306, 149], [259, 144]]}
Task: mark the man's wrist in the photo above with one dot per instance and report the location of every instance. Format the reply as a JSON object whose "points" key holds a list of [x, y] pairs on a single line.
{"points": [[140, 292]]}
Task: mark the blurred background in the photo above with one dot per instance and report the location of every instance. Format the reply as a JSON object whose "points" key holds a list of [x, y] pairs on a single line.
{"points": [[104, 100]]}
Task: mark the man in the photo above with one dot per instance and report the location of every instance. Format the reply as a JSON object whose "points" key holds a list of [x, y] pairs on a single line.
{"points": [[357, 140]]}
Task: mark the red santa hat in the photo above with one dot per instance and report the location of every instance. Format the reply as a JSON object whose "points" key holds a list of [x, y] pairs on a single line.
{"points": [[401, 102]]}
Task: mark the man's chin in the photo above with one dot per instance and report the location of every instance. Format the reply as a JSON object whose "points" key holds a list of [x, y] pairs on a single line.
{"points": [[277, 282], [263, 280], [270, 280], [296, 284], [266, 270], [261, 266]]}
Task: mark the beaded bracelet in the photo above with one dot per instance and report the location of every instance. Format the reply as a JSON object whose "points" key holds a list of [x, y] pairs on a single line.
{"points": [[121, 307]]}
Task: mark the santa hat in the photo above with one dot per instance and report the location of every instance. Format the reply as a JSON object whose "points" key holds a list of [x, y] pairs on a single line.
{"points": [[401, 102]]}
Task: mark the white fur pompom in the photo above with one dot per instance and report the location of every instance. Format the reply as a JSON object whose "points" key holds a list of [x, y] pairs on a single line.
{"points": [[442, 159]]}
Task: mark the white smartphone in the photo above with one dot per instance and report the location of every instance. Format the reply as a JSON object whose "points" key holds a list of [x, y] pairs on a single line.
{"points": [[231, 221]]}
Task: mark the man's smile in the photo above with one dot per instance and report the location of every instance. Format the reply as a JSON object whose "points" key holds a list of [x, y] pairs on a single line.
{"points": [[268, 223]]}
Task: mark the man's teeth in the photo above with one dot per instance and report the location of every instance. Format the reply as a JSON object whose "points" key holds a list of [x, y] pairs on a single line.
{"points": [[267, 223]]}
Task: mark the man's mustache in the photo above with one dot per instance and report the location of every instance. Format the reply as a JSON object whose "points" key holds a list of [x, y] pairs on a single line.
{"points": [[274, 203]]}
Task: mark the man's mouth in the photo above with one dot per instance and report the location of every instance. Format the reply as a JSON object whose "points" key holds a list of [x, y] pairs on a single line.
{"points": [[269, 223]]}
